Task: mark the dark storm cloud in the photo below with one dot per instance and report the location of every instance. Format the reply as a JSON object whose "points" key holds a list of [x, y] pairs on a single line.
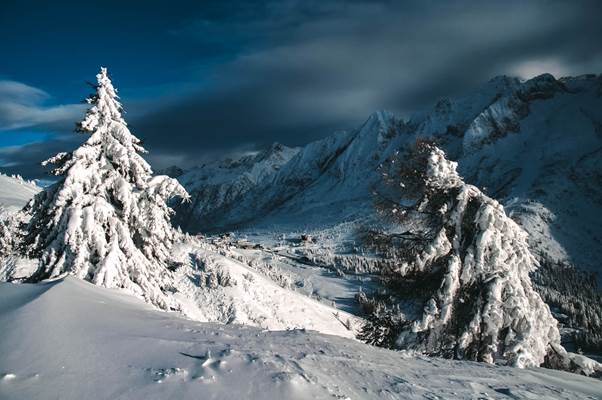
{"points": [[329, 70], [26, 160]]}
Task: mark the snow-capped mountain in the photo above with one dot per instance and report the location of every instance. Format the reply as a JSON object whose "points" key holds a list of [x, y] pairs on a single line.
{"points": [[15, 192], [534, 145], [219, 187]]}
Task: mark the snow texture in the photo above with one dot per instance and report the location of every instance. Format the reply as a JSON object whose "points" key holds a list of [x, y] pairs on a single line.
{"points": [[15, 192], [69, 339]]}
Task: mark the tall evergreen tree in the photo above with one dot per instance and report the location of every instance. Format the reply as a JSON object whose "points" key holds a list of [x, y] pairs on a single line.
{"points": [[465, 265], [107, 221]]}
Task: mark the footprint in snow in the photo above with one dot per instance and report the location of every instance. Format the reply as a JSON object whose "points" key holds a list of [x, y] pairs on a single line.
{"points": [[8, 377]]}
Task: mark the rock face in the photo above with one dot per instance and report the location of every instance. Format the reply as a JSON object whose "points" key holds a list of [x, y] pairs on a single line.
{"points": [[536, 146]]}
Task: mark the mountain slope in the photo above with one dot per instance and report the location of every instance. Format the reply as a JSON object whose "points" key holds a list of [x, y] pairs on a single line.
{"points": [[536, 146], [205, 285], [216, 188], [211, 287], [16, 192], [69, 339]]}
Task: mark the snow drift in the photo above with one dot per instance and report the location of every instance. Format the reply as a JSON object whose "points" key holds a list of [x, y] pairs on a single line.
{"points": [[69, 339]]}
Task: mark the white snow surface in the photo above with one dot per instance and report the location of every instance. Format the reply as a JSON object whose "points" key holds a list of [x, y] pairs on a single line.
{"points": [[250, 297], [211, 287], [69, 339], [16, 192]]}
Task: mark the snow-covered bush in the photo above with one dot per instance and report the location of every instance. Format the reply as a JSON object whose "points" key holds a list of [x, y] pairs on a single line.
{"points": [[465, 270], [107, 220], [9, 231]]}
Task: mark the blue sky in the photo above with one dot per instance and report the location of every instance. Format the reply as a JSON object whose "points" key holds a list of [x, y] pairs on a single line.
{"points": [[206, 79]]}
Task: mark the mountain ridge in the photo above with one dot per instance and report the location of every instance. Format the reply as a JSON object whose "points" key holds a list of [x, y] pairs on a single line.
{"points": [[486, 131]]}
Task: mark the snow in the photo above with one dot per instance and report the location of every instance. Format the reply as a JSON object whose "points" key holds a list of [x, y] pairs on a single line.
{"points": [[69, 339], [16, 192], [249, 297], [554, 161], [215, 186]]}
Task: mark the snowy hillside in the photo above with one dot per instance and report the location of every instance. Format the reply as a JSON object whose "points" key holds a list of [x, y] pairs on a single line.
{"points": [[536, 146], [107, 221], [69, 339], [216, 187], [209, 286], [16, 192]]}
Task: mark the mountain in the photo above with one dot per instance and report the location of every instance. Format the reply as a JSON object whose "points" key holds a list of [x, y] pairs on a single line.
{"points": [[172, 171], [15, 192], [70, 339], [535, 146], [217, 188]]}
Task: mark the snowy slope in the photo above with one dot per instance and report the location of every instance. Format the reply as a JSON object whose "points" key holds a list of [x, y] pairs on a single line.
{"points": [[536, 146], [69, 339], [16, 192], [216, 187], [215, 288], [208, 286], [548, 166]]}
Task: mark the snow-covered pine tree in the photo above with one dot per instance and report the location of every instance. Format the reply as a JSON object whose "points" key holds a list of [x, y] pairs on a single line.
{"points": [[9, 231], [107, 221], [466, 266]]}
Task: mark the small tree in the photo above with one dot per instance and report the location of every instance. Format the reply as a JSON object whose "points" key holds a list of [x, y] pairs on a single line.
{"points": [[469, 264], [107, 220], [9, 231]]}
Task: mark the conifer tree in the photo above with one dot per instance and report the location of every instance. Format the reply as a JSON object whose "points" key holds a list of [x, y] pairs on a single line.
{"points": [[107, 220], [465, 266], [9, 231]]}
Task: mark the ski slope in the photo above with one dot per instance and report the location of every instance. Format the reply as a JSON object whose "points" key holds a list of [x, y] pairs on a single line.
{"points": [[69, 339]]}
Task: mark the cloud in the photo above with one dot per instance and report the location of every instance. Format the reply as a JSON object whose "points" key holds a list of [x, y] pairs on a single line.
{"points": [[326, 69], [25, 106], [25, 159], [31, 129]]}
